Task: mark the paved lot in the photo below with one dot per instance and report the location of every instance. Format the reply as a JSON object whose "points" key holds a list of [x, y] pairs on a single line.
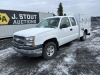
{"points": [[75, 58]]}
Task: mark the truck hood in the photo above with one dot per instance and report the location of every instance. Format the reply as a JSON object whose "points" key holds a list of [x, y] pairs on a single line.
{"points": [[32, 31]]}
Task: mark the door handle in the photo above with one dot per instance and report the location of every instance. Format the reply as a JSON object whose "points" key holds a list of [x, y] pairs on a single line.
{"points": [[71, 29]]}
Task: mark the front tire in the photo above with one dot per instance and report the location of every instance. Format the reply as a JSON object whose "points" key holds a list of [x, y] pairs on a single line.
{"points": [[83, 38], [50, 50]]}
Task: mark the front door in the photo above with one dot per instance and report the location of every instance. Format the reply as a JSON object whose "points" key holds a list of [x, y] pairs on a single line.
{"points": [[65, 32]]}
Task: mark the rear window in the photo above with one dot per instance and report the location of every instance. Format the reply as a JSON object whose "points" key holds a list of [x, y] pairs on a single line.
{"points": [[73, 22], [65, 21]]}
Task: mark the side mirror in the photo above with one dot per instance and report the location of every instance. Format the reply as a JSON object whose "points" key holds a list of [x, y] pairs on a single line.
{"points": [[63, 26]]}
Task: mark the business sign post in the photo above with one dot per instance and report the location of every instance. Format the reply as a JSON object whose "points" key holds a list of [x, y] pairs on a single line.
{"points": [[9, 17]]}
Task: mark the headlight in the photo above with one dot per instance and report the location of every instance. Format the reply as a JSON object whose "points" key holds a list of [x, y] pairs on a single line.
{"points": [[30, 41]]}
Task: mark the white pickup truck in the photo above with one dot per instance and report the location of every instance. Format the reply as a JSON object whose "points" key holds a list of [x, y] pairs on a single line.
{"points": [[50, 33]]}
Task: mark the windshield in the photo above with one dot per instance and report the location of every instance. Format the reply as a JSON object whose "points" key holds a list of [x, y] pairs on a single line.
{"points": [[49, 23]]}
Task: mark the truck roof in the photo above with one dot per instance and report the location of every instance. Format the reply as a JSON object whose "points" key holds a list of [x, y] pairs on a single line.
{"points": [[58, 17]]}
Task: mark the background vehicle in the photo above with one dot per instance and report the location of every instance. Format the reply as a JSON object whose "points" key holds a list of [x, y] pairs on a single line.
{"points": [[50, 33]]}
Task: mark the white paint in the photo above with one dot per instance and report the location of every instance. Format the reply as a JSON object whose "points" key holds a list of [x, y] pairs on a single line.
{"points": [[63, 35], [32, 32]]}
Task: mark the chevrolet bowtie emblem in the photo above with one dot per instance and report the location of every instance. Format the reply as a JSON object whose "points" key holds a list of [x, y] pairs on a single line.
{"points": [[17, 39]]}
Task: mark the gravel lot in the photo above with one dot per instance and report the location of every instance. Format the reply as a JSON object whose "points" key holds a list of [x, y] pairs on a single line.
{"points": [[75, 58], [5, 43]]}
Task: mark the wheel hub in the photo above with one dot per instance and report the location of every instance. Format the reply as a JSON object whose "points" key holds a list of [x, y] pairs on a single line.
{"points": [[50, 50]]}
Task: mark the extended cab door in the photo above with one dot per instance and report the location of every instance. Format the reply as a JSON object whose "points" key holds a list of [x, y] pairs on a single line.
{"points": [[65, 31], [75, 28]]}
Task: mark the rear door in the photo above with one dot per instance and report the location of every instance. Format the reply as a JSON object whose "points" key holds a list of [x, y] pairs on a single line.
{"points": [[66, 32], [75, 28]]}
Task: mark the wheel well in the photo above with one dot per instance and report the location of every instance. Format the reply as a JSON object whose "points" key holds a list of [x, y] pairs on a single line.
{"points": [[52, 40]]}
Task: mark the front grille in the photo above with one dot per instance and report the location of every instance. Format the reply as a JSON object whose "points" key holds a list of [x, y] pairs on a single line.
{"points": [[19, 40]]}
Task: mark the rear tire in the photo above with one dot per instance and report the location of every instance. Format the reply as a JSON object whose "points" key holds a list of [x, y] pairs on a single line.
{"points": [[83, 38], [49, 50]]}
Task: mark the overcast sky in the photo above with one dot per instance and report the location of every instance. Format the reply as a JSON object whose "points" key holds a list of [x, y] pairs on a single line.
{"points": [[91, 7]]}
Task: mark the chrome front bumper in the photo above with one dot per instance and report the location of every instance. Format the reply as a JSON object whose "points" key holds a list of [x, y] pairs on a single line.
{"points": [[29, 51]]}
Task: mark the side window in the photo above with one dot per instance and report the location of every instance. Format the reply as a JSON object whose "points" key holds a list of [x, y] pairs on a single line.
{"points": [[73, 22], [65, 21]]}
